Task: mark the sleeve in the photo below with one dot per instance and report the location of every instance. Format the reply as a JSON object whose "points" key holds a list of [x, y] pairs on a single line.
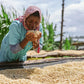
{"points": [[14, 34], [14, 37], [15, 48]]}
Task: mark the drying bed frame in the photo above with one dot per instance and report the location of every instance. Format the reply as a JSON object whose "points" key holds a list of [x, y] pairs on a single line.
{"points": [[58, 58]]}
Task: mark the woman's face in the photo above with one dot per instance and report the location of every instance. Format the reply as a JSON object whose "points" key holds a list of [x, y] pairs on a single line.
{"points": [[32, 22]]}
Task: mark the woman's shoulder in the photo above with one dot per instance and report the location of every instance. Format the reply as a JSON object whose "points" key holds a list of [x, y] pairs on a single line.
{"points": [[15, 24]]}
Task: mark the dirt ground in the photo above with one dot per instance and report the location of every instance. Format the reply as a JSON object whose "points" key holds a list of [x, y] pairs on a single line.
{"points": [[66, 73]]}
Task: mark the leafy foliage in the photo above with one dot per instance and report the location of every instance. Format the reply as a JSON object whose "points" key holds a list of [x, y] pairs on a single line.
{"points": [[48, 35], [4, 23], [67, 44]]}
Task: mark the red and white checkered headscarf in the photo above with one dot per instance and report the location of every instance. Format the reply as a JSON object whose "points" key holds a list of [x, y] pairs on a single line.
{"points": [[30, 10]]}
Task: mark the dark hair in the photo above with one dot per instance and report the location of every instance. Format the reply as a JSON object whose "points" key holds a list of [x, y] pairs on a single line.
{"points": [[36, 14]]}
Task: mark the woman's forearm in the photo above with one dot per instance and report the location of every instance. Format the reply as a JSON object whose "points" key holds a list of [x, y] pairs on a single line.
{"points": [[24, 42], [16, 48]]}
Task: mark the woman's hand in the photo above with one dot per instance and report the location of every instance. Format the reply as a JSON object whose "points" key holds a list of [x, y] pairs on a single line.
{"points": [[35, 44], [34, 36], [39, 36], [30, 36]]}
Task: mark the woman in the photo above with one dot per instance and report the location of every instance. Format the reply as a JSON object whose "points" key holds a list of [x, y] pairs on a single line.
{"points": [[17, 42]]}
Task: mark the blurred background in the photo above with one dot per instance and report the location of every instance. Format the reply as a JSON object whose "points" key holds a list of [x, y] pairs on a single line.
{"points": [[52, 15]]}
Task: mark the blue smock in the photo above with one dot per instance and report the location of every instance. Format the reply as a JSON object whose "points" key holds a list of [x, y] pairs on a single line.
{"points": [[15, 35]]}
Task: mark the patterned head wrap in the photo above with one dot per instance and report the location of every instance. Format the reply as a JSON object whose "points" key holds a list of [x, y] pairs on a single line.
{"points": [[30, 10]]}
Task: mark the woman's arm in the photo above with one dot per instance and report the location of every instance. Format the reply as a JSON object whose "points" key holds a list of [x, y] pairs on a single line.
{"points": [[14, 38], [18, 47]]}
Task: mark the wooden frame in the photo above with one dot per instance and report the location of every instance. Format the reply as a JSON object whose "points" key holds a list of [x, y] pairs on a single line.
{"points": [[58, 56]]}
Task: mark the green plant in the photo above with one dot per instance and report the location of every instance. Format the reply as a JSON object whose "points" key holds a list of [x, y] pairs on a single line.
{"points": [[48, 37], [4, 23], [72, 47], [67, 45]]}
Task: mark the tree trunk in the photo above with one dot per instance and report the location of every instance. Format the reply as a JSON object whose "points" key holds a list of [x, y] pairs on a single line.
{"points": [[61, 36]]}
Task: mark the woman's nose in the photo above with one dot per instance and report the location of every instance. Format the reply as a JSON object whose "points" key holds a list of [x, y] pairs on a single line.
{"points": [[33, 26]]}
